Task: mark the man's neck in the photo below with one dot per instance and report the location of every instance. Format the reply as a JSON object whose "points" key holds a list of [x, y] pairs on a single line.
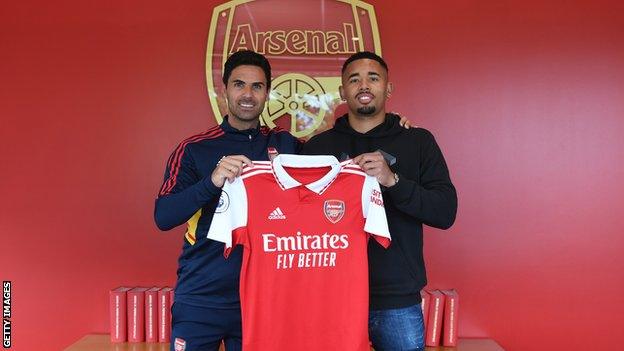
{"points": [[239, 124], [363, 124]]}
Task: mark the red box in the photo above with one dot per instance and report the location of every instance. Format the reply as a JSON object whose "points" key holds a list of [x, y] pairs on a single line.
{"points": [[451, 308], [136, 315], [164, 314], [117, 313], [151, 315], [436, 314]]}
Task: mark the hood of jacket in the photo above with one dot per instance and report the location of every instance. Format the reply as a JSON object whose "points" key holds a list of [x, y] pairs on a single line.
{"points": [[370, 141], [389, 127]]}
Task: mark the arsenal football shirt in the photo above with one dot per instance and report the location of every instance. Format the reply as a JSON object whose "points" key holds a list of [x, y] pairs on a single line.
{"points": [[304, 223]]}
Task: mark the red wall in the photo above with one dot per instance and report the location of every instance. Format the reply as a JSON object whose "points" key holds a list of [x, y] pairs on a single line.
{"points": [[525, 98]]}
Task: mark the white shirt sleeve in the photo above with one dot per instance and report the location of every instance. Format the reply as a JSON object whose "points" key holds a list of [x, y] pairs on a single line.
{"points": [[231, 212], [373, 209]]}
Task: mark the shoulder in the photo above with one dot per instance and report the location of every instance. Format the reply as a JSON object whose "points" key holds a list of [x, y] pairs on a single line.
{"points": [[419, 134], [325, 135], [185, 150], [282, 139], [320, 140], [208, 136], [414, 131], [278, 133], [186, 147]]}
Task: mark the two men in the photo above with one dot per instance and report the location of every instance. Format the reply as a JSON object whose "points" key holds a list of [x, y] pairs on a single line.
{"points": [[417, 190]]}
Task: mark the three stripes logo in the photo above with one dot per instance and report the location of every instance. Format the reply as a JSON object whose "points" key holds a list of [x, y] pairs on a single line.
{"points": [[277, 214]]}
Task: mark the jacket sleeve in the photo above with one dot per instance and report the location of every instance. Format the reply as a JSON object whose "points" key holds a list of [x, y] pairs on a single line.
{"points": [[433, 199], [183, 193]]}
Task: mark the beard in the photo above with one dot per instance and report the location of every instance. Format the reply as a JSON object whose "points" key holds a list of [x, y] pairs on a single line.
{"points": [[366, 110]]}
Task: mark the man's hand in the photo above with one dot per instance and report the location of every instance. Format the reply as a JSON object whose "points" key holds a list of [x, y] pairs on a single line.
{"points": [[373, 164], [404, 122], [228, 167]]}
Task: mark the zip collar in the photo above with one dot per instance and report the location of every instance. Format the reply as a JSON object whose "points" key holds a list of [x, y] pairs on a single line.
{"points": [[249, 134]]}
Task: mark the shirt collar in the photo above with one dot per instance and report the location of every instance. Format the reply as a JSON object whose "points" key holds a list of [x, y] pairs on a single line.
{"points": [[227, 127], [287, 182]]}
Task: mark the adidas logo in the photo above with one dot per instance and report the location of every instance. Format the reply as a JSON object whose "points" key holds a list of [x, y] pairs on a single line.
{"points": [[277, 214]]}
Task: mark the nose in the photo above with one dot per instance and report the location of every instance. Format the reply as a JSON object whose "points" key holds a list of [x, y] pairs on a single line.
{"points": [[247, 91], [363, 86]]}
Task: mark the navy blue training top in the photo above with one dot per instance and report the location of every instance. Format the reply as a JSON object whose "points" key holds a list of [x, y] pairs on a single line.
{"points": [[205, 277]]}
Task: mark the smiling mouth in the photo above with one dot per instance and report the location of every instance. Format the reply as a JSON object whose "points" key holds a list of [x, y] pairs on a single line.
{"points": [[364, 98], [246, 105]]}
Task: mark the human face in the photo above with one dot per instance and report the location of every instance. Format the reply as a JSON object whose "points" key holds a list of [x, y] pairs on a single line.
{"points": [[246, 92], [365, 87]]}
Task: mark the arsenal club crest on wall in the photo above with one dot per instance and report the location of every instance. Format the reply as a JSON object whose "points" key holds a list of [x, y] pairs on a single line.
{"points": [[334, 210], [306, 43]]}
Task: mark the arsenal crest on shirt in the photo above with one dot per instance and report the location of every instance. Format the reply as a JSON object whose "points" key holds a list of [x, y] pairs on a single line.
{"points": [[179, 345], [334, 210]]}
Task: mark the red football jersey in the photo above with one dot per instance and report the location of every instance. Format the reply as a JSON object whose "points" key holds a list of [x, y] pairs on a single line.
{"points": [[304, 222]]}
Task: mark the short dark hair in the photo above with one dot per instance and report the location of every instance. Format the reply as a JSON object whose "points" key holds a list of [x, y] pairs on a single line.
{"points": [[249, 58], [364, 55]]}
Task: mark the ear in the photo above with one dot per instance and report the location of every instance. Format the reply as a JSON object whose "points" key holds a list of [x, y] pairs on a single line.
{"points": [[222, 90], [389, 89], [342, 94]]}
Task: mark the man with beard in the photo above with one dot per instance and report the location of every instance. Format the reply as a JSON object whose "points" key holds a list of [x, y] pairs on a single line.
{"points": [[416, 190], [207, 308]]}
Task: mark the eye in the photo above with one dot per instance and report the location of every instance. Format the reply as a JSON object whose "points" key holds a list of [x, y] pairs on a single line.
{"points": [[239, 84], [353, 80], [256, 86], [374, 78]]}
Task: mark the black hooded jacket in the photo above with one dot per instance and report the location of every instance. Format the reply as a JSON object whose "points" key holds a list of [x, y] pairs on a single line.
{"points": [[423, 195]]}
